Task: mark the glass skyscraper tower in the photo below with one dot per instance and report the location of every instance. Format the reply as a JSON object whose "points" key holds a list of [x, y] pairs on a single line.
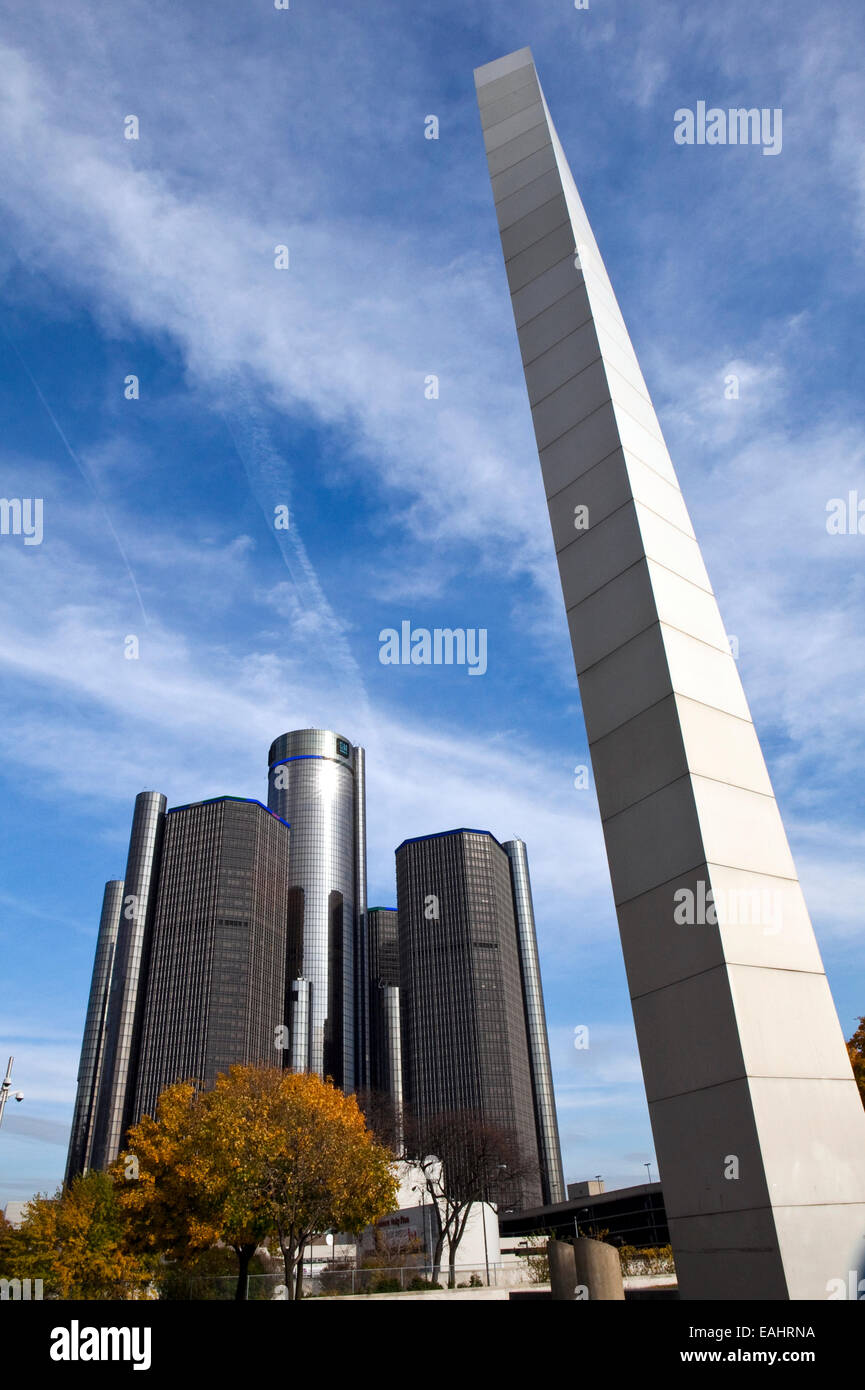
{"points": [[384, 1010], [316, 783], [122, 1028], [93, 1055], [474, 1036], [216, 978], [190, 969]]}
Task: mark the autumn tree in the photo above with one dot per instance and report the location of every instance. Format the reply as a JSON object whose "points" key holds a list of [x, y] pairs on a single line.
{"points": [[78, 1243], [465, 1160], [183, 1179], [856, 1053], [8, 1246], [312, 1162], [264, 1152]]}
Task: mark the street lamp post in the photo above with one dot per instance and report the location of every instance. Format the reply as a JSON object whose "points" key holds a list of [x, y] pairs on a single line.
{"points": [[426, 1240], [486, 1253], [6, 1089]]}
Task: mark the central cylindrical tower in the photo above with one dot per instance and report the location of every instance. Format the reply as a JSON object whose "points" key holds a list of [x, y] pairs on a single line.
{"points": [[316, 783]]}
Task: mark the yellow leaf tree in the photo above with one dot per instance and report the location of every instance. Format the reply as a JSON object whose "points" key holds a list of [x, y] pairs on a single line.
{"points": [[264, 1152], [180, 1177], [78, 1244], [856, 1052], [308, 1156]]}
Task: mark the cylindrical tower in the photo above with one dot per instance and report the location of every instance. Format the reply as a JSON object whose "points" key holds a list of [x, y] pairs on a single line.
{"points": [[552, 1177], [316, 784], [361, 974], [129, 975], [93, 1046], [382, 946], [299, 1045], [393, 1050]]}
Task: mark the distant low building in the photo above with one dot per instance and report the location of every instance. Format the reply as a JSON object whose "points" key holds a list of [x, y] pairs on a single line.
{"points": [[411, 1229], [14, 1213], [591, 1188], [624, 1216]]}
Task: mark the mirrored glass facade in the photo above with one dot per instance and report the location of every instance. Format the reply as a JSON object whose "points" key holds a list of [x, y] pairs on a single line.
{"points": [[546, 1123], [128, 978], [216, 989], [93, 1046], [464, 1034], [316, 783], [382, 936]]}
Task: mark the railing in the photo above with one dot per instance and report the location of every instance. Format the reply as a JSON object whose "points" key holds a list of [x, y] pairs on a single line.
{"points": [[328, 1282]]}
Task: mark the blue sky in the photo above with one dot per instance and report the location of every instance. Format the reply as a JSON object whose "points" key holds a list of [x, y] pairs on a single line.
{"points": [[305, 388]]}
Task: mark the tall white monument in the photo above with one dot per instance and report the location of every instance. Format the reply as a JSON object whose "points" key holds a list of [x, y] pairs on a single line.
{"points": [[758, 1125]]}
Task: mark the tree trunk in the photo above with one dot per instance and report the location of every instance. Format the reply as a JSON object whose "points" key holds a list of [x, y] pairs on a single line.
{"points": [[289, 1256], [298, 1287], [437, 1256], [455, 1236], [439, 1244], [244, 1254]]}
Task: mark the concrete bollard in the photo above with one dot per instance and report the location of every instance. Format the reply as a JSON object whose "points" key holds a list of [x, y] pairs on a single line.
{"points": [[598, 1271], [563, 1273]]}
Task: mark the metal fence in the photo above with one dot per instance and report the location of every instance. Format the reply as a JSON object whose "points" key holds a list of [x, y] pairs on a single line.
{"points": [[327, 1281]]}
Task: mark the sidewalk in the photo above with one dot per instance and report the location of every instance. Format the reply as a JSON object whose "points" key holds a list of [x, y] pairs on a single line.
{"points": [[638, 1283]]}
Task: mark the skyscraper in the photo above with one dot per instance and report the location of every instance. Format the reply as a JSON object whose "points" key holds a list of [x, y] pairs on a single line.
{"points": [[216, 987], [384, 1007], [463, 1003], [128, 979], [759, 1131], [546, 1121], [93, 1047], [316, 783], [200, 981]]}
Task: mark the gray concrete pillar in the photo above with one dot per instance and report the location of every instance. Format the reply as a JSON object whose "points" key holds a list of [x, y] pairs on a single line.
{"points": [[563, 1276], [759, 1129], [598, 1271]]}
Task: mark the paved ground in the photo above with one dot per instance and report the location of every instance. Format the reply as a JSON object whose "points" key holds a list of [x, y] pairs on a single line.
{"points": [[439, 1295], [640, 1284]]}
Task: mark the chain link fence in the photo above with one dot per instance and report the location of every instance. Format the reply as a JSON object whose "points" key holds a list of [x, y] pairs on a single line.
{"points": [[327, 1281]]}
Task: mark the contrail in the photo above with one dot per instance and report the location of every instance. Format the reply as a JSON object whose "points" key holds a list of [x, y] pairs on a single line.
{"points": [[263, 465], [81, 469]]}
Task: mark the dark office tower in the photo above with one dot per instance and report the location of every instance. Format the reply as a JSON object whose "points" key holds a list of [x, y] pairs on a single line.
{"points": [[128, 979], [464, 1041], [316, 783], [92, 1048], [216, 984], [383, 945], [546, 1123], [382, 937]]}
